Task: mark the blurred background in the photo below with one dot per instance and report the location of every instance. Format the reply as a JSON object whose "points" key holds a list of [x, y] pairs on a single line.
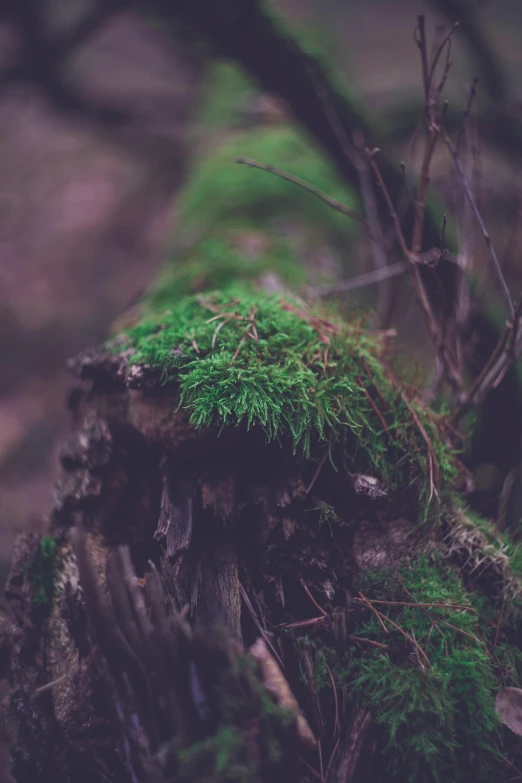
{"points": [[106, 172]]}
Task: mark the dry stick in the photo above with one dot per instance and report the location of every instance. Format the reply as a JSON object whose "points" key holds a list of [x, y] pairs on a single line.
{"points": [[499, 625], [304, 623], [312, 599], [317, 472], [374, 406], [353, 154], [456, 628], [431, 141], [511, 349], [412, 261], [331, 202], [421, 605], [434, 465], [264, 633], [365, 601], [481, 381], [446, 40], [368, 641], [466, 113], [407, 188], [419, 35], [337, 726], [375, 386], [359, 281], [478, 217], [380, 260], [402, 631]]}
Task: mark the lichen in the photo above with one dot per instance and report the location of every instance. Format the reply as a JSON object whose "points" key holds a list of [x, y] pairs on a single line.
{"points": [[247, 357]]}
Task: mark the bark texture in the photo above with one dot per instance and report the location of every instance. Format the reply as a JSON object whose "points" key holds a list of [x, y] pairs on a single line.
{"points": [[171, 553]]}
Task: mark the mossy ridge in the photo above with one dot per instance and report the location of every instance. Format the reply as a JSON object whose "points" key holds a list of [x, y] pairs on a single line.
{"points": [[488, 557], [259, 194], [239, 252], [437, 722], [250, 357]]}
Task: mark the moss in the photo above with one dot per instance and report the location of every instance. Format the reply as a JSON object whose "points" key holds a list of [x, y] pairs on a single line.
{"points": [[42, 572], [224, 97], [491, 560], [260, 195], [247, 357], [230, 254], [437, 721], [250, 742]]}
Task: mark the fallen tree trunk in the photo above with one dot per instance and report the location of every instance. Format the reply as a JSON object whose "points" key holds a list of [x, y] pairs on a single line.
{"points": [[270, 580]]}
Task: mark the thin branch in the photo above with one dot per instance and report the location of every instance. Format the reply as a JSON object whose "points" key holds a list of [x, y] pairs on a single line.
{"points": [[372, 642], [317, 472], [383, 617], [446, 40], [331, 202], [467, 110], [422, 605], [478, 217], [312, 599], [359, 281]]}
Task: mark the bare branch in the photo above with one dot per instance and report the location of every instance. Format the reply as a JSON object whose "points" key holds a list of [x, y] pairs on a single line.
{"points": [[359, 281], [332, 203], [478, 217]]}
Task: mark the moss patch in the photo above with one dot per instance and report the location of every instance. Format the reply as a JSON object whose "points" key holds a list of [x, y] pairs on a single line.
{"points": [[436, 715], [42, 572], [259, 359], [230, 254], [257, 194]]}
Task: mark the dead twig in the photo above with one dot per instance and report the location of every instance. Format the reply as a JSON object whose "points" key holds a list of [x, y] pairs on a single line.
{"points": [[480, 222], [337, 206], [374, 407], [359, 281], [312, 599], [377, 614], [305, 623], [432, 459], [317, 472], [368, 641], [416, 605]]}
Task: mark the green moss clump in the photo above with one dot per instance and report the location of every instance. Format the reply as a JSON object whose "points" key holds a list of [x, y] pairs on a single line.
{"points": [[250, 357], [436, 713], [42, 572]]}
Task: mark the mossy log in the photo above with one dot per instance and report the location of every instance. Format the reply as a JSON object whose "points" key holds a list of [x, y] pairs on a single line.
{"points": [[257, 567]]}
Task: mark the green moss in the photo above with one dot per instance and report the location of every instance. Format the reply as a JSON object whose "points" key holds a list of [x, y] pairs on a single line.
{"points": [[217, 261], [42, 572], [246, 357], [250, 742], [490, 558], [258, 194], [436, 714], [225, 94]]}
